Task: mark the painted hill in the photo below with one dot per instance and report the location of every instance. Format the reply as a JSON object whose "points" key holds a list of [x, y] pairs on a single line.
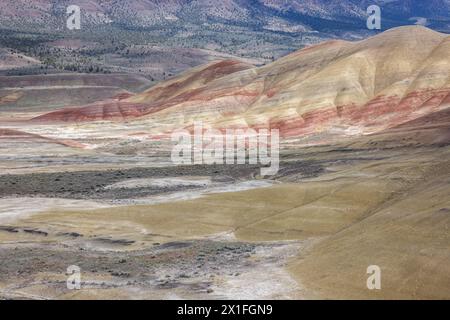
{"points": [[336, 86]]}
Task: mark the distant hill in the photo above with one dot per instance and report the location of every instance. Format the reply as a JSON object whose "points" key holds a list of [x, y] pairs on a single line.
{"points": [[333, 16], [158, 39]]}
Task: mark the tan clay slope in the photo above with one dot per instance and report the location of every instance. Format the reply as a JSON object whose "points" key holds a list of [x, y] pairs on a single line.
{"points": [[36, 94], [365, 86]]}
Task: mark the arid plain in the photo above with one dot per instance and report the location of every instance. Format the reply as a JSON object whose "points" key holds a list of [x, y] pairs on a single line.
{"points": [[87, 180]]}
